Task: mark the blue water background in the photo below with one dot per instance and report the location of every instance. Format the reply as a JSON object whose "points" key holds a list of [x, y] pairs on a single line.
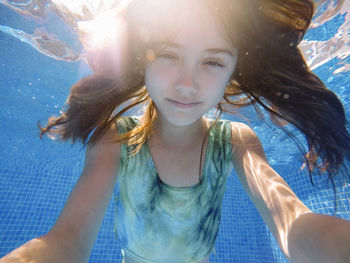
{"points": [[36, 176]]}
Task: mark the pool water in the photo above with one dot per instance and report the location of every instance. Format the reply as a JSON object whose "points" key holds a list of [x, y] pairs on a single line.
{"points": [[36, 176]]}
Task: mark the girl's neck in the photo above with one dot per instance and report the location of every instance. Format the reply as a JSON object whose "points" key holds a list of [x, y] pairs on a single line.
{"points": [[170, 134]]}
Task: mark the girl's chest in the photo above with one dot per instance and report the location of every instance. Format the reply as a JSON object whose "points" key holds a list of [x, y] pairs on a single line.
{"points": [[179, 168]]}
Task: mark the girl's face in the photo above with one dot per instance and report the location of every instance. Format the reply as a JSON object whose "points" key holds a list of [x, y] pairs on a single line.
{"points": [[186, 74]]}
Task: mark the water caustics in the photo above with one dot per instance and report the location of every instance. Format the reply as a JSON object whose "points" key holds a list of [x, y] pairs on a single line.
{"points": [[71, 12], [45, 44], [316, 52]]}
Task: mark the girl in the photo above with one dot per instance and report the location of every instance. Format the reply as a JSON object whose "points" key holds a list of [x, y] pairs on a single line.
{"points": [[182, 58]]}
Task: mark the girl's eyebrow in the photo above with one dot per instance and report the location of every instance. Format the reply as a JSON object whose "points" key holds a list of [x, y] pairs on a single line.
{"points": [[164, 44], [219, 50]]}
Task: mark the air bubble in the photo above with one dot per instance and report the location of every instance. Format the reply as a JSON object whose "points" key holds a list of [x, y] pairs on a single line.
{"points": [[286, 96]]}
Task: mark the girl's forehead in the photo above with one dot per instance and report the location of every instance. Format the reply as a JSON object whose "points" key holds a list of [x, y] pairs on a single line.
{"points": [[166, 21]]}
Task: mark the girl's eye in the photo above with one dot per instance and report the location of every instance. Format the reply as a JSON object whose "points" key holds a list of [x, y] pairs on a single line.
{"points": [[214, 64]]}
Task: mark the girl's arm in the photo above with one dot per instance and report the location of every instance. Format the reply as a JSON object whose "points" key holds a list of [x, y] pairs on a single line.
{"points": [[302, 235], [72, 237]]}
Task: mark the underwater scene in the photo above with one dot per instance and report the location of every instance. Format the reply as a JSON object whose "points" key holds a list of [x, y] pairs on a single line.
{"points": [[41, 57]]}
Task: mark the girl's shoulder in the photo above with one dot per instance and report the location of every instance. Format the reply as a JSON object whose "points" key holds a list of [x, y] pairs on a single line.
{"points": [[127, 123], [239, 132], [235, 125], [106, 143], [241, 127], [242, 134]]}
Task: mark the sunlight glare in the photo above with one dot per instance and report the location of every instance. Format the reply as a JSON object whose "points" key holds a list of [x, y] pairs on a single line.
{"points": [[99, 32]]}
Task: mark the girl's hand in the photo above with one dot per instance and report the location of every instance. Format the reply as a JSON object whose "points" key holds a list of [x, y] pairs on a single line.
{"points": [[302, 235], [52, 247], [72, 237]]}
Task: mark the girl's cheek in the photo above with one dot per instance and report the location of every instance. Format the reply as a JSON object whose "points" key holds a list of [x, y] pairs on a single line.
{"points": [[217, 82], [158, 78], [165, 73]]}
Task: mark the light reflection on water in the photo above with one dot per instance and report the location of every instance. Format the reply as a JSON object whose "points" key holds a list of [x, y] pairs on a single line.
{"points": [[319, 52]]}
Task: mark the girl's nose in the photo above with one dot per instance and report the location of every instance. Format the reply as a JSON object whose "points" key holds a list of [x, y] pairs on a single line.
{"points": [[186, 84]]}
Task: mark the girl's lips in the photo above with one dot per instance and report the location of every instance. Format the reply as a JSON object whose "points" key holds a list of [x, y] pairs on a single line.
{"points": [[183, 105]]}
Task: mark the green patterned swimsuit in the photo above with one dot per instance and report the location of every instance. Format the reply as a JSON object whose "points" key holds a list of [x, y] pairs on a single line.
{"points": [[156, 222]]}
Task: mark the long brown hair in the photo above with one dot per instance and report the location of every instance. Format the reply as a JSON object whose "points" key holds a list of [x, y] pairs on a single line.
{"points": [[271, 74]]}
